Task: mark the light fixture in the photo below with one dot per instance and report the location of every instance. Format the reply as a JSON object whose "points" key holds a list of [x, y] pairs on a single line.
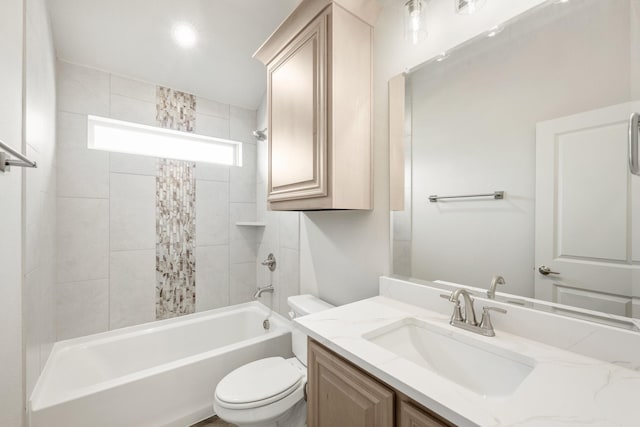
{"points": [[414, 21], [494, 31], [468, 7], [185, 35], [443, 56]]}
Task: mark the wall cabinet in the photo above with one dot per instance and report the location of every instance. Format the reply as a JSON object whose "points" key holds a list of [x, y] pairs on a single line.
{"points": [[319, 101], [341, 394]]}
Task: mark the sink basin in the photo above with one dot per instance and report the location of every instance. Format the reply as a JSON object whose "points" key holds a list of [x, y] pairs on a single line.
{"points": [[471, 363]]}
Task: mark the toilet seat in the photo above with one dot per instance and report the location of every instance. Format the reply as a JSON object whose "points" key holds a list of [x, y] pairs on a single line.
{"points": [[258, 384]]}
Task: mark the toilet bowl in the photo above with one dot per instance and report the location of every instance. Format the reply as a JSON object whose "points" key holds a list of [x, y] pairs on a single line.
{"points": [[270, 392]]}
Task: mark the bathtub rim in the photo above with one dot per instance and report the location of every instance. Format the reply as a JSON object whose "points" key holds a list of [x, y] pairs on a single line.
{"points": [[282, 327]]}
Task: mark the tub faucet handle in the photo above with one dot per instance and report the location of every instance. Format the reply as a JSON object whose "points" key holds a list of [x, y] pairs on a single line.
{"points": [[270, 262]]}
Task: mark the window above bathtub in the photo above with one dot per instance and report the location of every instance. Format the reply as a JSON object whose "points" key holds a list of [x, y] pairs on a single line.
{"points": [[133, 138]]}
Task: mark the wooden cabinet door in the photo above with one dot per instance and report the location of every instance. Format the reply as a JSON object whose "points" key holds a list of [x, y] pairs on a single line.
{"points": [[297, 116], [341, 395], [411, 416]]}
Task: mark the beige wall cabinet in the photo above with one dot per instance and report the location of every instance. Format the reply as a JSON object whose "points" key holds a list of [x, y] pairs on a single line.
{"points": [[340, 394], [319, 99]]}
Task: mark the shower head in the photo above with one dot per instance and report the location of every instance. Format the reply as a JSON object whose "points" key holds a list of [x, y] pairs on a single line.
{"points": [[260, 135]]}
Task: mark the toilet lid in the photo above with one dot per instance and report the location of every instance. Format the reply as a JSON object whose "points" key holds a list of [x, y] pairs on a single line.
{"points": [[260, 382]]}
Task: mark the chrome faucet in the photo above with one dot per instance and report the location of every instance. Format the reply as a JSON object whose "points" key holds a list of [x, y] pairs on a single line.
{"points": [[468, 321], [497, 280], [469, 312], [262, 290]]}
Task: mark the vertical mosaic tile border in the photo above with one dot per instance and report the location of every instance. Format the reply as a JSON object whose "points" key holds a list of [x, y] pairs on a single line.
{"points": [[175, 110], [175, 213]]}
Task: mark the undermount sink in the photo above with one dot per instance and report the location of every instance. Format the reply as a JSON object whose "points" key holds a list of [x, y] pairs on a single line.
{"points": [[480, 367]]}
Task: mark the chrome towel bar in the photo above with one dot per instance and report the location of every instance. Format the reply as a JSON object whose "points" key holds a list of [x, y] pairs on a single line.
{"points": [[498, 195], [5, 162]]}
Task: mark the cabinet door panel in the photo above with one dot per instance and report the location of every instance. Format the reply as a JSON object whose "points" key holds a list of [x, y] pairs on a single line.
{"points": [[410, 416], [297, 140], [341, 395]]}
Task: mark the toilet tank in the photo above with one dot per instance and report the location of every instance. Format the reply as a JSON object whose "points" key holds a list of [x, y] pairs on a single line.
{"points": [[301, 305]]}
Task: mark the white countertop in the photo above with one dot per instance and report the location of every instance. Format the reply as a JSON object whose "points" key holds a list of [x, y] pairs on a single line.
{"points": [[564, 388]]}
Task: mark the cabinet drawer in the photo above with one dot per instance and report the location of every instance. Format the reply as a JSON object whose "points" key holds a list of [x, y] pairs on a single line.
{"points": [[412, 416]]}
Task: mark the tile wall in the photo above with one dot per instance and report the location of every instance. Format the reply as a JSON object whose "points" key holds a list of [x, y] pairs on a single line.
{"points": [[281, 236], [175, 212], [106, 209], [39, 244]]}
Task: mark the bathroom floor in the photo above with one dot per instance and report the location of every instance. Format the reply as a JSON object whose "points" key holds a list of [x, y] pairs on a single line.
{"points": [[213, 422]]}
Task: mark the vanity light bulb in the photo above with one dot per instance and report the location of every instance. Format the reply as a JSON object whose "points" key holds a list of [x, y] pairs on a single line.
{"points": [[442, 57], [494, 31], [415, 27], [415, 21]]}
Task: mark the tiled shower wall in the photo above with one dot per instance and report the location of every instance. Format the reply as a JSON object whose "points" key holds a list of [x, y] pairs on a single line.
{"points": [[39, 221], [175, 212], [106, 209], [281, 236]]}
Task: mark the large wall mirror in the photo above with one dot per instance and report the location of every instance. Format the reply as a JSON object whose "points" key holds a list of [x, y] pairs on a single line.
{"points": [[538, 109]]}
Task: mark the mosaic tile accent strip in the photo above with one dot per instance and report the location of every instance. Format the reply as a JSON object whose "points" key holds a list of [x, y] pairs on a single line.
{"points": [[175, 213], [175, 110]]}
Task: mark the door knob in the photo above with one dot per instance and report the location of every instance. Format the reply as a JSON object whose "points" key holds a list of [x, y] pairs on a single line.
{"points": [[545, 271]]}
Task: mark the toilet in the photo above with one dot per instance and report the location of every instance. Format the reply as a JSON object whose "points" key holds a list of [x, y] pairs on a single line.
{"points": [[270, 392]]}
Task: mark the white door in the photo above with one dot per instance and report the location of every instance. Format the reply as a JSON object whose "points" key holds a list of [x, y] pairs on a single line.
{"points": [[588, 212]]}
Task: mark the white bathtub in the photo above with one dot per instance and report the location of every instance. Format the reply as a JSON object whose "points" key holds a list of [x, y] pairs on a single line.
{"points": [[157, 374]]}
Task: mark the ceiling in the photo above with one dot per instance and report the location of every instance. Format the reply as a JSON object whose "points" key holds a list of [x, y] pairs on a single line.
{"points": [[134, 38]]}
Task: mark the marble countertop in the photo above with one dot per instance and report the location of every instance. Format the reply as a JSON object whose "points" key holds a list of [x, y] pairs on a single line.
{"points": [[564, 388]]}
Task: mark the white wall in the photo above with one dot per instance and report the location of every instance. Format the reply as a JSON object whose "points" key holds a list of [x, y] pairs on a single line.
{"points": [[11, 78], [343, 253], [40, 195]]}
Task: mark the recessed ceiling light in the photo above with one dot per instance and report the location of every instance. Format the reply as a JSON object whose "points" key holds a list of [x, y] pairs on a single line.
{"points": [[442, 57], [495, 31], [184, 35]]}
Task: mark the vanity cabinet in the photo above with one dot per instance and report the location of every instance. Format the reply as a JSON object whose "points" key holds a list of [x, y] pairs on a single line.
{"points": [[341, 394], [319, 106], [410, 415]]}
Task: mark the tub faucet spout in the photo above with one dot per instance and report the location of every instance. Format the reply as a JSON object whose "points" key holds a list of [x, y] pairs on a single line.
{"points": [[262, 290]]}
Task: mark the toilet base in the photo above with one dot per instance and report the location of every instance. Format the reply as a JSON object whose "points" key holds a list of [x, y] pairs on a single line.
{"points": [[295, 417]]}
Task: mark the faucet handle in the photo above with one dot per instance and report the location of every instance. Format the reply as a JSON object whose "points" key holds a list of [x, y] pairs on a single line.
{"points": [[485, 310], [270, 262], [485, 323], [457, 310]]}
